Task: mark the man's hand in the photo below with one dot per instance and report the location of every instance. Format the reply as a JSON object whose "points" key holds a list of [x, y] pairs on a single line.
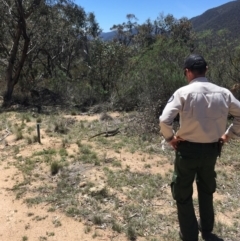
{"points": [[174, 142], [225, 138]]}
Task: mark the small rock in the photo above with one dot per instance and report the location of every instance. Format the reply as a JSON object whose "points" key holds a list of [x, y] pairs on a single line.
{"points": [[97, 189], [82, 184]]}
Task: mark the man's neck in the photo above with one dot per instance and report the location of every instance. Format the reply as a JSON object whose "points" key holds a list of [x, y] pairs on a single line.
{"points": [[195, 77]]}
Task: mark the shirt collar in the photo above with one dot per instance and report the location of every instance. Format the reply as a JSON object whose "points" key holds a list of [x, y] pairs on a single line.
{"points": [[199, 79]]}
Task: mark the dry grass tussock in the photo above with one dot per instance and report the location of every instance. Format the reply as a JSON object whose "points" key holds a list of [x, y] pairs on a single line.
{"points": [[116, 187]]}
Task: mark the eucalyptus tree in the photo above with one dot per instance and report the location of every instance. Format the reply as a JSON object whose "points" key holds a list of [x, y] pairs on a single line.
{"points": [[222, 55], [41, 38], [180, 30], [126, 31], [145, 35], [58, 43], [106, 62], [15, 38]]}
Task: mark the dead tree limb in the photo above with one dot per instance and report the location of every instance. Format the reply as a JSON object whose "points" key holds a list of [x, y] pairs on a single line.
{"points": [[8, 133], [107, 133]]}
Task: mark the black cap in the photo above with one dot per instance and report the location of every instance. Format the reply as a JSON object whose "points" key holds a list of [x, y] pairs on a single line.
{"points": [[194, 61]]}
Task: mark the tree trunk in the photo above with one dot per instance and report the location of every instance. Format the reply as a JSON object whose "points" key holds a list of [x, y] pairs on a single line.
{"points": [[9, 72], [14, 69], [8, 94]]}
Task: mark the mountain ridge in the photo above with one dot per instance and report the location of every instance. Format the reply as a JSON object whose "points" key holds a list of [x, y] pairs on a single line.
{"points": [[225, 16]]}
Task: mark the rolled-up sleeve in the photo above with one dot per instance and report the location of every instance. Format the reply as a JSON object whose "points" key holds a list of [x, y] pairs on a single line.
{"points": [[171, 110], [233, 130]]}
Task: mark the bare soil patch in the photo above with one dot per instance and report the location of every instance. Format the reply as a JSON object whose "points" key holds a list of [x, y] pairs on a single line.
{"points": [[30, 211]]}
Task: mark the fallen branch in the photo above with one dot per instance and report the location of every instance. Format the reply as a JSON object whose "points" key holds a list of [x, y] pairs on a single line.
{"points": [[107, 133], [133, 215], [8, 133]]}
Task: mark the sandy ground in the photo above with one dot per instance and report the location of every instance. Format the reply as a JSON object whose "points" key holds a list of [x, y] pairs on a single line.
{"points": [[35, 223], [21, 223]]}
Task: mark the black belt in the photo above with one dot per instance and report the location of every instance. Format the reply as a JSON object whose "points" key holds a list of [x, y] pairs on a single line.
{"points": [[200, 143], [218, 144]]}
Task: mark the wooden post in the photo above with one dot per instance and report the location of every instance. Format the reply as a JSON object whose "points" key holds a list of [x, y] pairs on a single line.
{"points": [[38, 133]]}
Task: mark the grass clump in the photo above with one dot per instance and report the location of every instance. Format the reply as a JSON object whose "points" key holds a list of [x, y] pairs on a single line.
{"points": [[97, 219], [61, 126], [87, 229], [117, 227], [31, 139], [63, 152], [87, 155], [55, 167], [24, 238], [72, 211], [19, 135], [45, 152], [26, 117], [131, 233]]}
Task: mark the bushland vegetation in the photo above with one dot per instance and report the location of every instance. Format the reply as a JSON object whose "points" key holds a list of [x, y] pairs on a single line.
{"points": [[52, 52]]}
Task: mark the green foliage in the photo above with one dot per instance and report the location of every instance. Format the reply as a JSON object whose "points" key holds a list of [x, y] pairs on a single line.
{"points": [[131, 233], [117, 227], [106, 61], [153, 77], [19, 135], [139, 70], [222, 56], [98, 220], [66, 27], [24, 238], [55, 167]]}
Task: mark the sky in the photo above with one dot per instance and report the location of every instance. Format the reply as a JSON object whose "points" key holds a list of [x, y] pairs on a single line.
{"points": [[110, 12]]}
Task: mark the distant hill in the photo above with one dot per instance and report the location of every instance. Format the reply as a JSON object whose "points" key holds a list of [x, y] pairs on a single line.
{"points": [[224, 16], [108, 36]]}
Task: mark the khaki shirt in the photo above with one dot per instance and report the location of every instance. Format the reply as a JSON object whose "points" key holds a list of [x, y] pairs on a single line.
{"points": [[203, 108]]}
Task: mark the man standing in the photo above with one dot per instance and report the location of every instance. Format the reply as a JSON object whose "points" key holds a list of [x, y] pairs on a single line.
{"points": [[203, 108]]}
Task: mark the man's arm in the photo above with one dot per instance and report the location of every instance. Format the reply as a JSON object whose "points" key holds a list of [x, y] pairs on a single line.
{"points": [[233, 130], [169, 113]]}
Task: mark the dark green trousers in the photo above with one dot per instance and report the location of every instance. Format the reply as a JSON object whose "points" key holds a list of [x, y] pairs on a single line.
{"points": [[194, 161]]}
